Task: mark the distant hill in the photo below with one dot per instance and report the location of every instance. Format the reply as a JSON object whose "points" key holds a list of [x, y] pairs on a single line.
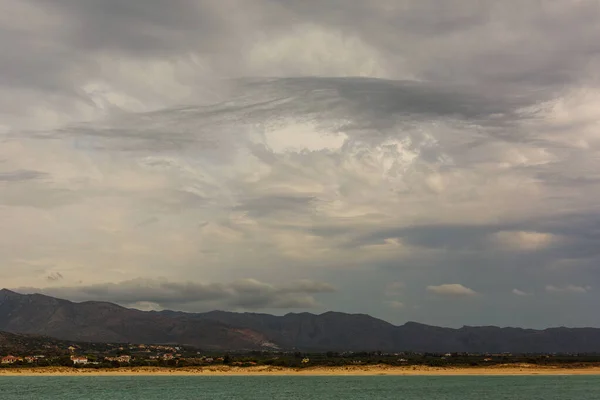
{"points": [[27, 344], [14, 343], [220, 330]]}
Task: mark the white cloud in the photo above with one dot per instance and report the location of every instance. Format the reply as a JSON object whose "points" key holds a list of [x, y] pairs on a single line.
{"points": [[302, 137], [520, 292], [451, 289], [395, 304], [524, 240], [568, 289], [313, 50]]}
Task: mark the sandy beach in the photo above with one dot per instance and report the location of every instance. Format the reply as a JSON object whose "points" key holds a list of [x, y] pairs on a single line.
{"points": [[522, 369]]}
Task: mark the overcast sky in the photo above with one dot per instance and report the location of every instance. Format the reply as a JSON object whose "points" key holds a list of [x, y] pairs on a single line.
{"points": [[430, 161]]}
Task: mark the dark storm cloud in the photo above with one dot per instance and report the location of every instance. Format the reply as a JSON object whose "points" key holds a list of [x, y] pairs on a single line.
{"points": [[434, 236], [375, 101], [578, 236], [527, 44], [138, 26], [484, 42]]}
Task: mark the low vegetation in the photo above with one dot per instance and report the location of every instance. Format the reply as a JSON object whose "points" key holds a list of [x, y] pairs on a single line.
{"points": [[36, 351]]}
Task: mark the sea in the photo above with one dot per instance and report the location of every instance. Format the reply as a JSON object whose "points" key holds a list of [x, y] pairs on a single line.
{"points": [[300, 387]]}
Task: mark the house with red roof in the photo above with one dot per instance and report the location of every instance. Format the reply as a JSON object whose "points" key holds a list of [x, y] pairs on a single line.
{"points": [[10, 359]]}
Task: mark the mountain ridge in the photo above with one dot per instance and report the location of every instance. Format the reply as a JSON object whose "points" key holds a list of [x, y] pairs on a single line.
{"points": [[100, 321]]}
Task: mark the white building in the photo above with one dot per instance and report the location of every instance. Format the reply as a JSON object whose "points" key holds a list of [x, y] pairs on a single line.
{"points": [[79, 360]]}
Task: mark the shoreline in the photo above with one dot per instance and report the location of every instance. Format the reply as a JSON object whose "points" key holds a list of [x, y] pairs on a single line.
{"points": [[371, 370]]}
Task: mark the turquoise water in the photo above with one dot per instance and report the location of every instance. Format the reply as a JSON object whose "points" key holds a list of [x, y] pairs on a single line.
{"points": [[301, 387]]}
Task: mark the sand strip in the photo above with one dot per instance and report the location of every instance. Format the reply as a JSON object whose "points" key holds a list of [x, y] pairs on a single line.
{"points": [[522, 369]]}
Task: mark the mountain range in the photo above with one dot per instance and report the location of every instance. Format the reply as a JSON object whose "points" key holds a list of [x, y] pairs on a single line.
{"points": [[94, 321]]}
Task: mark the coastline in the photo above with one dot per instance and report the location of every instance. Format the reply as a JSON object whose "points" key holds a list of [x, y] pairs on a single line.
{"points": [[371, 370]]}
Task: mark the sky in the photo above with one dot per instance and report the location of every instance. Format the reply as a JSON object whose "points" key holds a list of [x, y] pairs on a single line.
{"points": [[424, 161]]}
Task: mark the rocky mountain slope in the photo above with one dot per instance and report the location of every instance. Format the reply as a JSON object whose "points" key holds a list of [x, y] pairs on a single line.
{"points": [[107, 322]]}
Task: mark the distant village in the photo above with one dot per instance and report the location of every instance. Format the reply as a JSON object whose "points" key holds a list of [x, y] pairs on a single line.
{"points": [[112, 355], [106, 355]]}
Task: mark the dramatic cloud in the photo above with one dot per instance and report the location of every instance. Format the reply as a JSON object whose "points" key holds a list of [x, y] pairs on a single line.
{"points": [[356, 143], [451, 289]]}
